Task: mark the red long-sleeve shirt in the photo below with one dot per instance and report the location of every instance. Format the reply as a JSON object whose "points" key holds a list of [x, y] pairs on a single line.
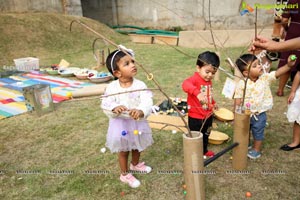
{"points": [[193, 86]]}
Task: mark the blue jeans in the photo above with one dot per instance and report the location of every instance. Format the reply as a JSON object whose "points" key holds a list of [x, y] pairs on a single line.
{"points": [[257, 126]]}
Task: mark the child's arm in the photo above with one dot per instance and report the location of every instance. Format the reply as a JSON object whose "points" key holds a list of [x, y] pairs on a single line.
{"points": [[189, 87], [295, 85], [287, 67]]}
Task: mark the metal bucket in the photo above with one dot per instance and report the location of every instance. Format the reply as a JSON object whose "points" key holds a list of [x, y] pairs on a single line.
{"points": [[38, 98]]}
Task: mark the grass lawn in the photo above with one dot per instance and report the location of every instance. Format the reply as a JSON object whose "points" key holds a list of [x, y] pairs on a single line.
{"points": [[57, 155]]}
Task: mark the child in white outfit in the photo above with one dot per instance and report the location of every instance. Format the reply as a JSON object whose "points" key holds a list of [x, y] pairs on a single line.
{"points": [[293, 114], [128, 130]]}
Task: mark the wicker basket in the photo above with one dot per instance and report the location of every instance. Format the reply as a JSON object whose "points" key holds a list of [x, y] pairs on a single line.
{"points": [[26, 64], [217, 137], [224, 114]]}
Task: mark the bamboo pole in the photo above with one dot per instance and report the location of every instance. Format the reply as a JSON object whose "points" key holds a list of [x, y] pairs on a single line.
{"points": [[242, 125], [241, 136], [193, 166]]}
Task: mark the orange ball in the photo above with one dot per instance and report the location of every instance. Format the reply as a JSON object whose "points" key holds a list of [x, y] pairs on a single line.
{"points": [[248, 194], [184, 186]]}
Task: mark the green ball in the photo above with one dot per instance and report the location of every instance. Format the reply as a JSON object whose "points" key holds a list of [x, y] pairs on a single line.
{"points": [[184, 192], [293, 57]]}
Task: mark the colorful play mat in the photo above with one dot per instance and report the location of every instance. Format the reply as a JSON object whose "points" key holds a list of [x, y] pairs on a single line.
{"points": [[12, 101]]}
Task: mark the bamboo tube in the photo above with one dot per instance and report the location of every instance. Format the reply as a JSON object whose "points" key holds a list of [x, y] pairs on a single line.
{"points": [[241, 136], [92, 90], [193, 166]]}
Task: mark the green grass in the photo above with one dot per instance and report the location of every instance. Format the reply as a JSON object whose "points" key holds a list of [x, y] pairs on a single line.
{"points": [[70, 138]]}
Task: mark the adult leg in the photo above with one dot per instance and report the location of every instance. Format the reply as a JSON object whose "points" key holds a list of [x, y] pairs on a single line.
{"points": [[296, 135], [282, 82], [293, 74]]}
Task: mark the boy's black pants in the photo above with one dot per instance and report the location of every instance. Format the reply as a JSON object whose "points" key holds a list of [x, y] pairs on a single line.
{"points": [[196, 124]]}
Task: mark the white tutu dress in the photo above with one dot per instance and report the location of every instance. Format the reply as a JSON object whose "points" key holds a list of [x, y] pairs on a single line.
{"points": [[293, 112], [125, 133]]}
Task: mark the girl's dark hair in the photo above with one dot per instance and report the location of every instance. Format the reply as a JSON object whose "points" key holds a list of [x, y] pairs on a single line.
{"points": [[208, 57], [112, 64], [244, 60]]}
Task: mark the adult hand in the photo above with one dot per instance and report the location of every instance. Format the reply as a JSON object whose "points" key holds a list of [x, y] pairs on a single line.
{"points": [[291, 61], [261, 43], [291, 97]]}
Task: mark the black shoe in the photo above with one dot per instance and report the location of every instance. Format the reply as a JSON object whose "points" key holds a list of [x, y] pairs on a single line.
{"points": [[286, 147]]}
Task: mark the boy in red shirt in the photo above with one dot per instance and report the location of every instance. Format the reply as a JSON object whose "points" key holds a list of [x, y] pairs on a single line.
{"points": [[200, 100]]}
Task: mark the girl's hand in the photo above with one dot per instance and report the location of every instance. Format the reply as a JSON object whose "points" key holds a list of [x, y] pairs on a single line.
{"points": [[291, 97], [136, 114], [119, 109], [202, 98]]}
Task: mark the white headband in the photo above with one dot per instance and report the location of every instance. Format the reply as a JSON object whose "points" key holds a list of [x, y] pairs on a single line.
{"points": [[121, 48], [112, 60]]}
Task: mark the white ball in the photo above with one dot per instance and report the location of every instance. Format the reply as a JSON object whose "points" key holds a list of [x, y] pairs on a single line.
{"points": [[103, 150], [174, 131]]}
